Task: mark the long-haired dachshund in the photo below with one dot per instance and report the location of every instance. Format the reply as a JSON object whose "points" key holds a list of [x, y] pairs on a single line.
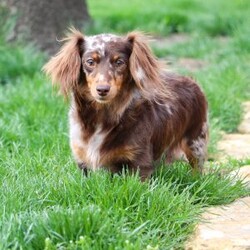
{"points": [[126, 110]]}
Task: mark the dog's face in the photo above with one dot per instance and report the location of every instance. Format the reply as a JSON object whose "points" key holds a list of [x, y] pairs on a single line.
{"points": [[105, 62], [103, 66]]}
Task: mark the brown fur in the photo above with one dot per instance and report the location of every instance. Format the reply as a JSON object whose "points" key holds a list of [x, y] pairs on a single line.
{"points": [[65, 66], [126, 110]]}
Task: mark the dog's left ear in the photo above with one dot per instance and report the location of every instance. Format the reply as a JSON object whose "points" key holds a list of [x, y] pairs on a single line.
{"points": [[64, 68], [144, 66]]}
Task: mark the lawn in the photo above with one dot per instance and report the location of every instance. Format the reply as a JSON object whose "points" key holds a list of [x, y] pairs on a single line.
{"points": [[45, 201]]}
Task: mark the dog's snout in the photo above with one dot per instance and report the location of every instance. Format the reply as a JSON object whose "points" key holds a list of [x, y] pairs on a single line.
{"points": [[102, 90]]}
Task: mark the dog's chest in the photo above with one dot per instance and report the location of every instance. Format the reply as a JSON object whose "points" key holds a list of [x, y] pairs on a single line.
{"points": [[87, 150], [93, 147]]}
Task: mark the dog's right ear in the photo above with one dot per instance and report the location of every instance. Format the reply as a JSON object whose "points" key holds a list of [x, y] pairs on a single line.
{"points": [[64, 68]]}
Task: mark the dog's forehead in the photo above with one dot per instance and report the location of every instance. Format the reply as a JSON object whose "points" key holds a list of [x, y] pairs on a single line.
{"points": [[100, 42]]}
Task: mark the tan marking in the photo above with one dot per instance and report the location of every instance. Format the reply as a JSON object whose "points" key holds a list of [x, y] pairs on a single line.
{"points": [[96, 56], [115, 57], [123, 153], [115, 86], [78, 152], [127, 153]]}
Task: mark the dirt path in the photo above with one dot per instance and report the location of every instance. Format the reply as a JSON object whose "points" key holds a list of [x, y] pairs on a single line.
{"points": [[228, 227], [224, 228]]}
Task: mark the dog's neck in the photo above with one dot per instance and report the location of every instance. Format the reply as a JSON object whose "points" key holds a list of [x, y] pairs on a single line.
{"points": [[106, 115]]}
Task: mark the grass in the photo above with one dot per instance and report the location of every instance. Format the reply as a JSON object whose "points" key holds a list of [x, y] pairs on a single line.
{"points": [[101, 212], [164, 17], [45, 201]]}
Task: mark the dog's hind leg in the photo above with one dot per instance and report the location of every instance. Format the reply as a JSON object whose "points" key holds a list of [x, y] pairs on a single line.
{"points": [[174, 154], [196, 149]]}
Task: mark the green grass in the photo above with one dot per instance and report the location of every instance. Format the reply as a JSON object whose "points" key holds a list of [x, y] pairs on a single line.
{"points": [[164, 16], [45, 201], [101, 212], [16, 61]]}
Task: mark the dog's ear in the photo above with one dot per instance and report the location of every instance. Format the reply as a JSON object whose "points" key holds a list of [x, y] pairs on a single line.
{"points": [[64, 68], [144, 66]]}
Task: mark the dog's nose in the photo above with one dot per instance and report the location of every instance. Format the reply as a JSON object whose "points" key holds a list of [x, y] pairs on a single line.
{"points": [[102, 90]]}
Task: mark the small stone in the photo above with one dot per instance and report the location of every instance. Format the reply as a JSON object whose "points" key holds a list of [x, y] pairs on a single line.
{"points": [[223, 227], [244, 127], [243, 174], [236, 146]]}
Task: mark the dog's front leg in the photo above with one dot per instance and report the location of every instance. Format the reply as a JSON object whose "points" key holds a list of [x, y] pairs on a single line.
{"points": [[143, 163], [83, 168], [144, 169], [145, 172]]}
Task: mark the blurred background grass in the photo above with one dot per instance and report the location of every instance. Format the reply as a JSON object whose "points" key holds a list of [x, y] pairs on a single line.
{"points": [[163, 17]]}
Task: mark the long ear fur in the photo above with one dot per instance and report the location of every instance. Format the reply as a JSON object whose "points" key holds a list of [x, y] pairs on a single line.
{"points": [[145, 68], [64, 68]]}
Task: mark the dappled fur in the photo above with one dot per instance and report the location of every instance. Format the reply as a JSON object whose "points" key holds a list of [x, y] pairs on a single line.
{"points": [[142, 113]]}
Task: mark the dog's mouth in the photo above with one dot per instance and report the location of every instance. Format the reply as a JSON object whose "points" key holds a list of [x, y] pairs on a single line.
{"points": [[102, 99]]}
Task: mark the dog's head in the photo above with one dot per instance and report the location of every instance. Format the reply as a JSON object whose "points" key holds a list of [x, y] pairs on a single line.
{"points": [[104, 65]]}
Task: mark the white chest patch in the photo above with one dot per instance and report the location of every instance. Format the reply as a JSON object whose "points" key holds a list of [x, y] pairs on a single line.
{"points": [[85, 151], [93, 148]]}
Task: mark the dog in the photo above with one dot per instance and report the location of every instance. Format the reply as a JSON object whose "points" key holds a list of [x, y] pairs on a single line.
{"points": [[126, 108]]}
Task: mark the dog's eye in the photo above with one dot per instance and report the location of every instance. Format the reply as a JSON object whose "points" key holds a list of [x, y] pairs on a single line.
{"points": [[119, 62], [90, 62]]}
